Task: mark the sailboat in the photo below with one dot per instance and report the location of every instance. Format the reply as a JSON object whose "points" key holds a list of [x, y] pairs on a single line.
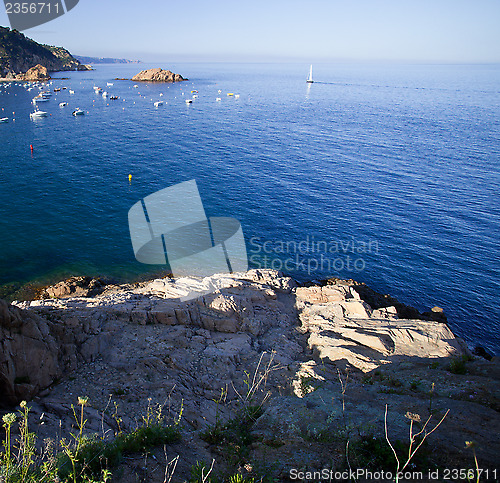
{"points": [[310, 78]]}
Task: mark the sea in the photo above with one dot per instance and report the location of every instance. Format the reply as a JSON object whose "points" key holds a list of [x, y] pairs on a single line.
{"points": [[388, 174]]}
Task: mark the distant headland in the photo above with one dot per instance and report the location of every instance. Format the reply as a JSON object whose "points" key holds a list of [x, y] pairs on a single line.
{"points": [[104, 60]]}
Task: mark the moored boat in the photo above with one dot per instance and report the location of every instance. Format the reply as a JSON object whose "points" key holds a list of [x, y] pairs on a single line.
{"points": [[38, 114]]}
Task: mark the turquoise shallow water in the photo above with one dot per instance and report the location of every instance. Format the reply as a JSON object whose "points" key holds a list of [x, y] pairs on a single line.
{"points": [[386, 174]]}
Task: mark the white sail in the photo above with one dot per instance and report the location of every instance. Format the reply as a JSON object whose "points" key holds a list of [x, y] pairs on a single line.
{"points": [[310, 78]]}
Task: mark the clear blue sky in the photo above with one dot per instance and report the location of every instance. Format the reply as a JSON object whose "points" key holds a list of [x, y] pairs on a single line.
{"points": [[305, 30]]}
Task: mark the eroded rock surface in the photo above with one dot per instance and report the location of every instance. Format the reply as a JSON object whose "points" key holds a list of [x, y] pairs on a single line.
{"points": [[331, 364]]}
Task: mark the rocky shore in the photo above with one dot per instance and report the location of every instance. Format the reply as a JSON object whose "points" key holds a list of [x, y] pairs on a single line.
{"points": [[328, 363], [39, 73]]}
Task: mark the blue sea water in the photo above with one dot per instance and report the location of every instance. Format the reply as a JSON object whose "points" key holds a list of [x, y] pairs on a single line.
{"points": [[388, 174]]}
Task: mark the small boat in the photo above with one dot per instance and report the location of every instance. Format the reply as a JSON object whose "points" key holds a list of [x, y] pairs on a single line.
{"points": [[310, 78], [78, 112], [4, 119], [237, 96], [158, 103], [230, 94], [194, 92], [105, 94], [136, 86], [64, 88], [114, 98], [109, 84], [63, 104], [195, 96], [57, 90], [97, 90], [189, 101], [71, 92], [218, 99], [40, 99], [37, 114]]}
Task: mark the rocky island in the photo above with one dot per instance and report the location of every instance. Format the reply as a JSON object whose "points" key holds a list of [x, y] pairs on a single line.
{"points": [[19, 54], [268, 375], [158, 75]]}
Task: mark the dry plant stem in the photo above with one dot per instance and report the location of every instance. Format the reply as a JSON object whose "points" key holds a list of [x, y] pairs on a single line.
{"points": [[412, 440], [258, 379], [343, 384], [477, 465], [170, 466], [204, 477], [347, 458], [102, 418]]}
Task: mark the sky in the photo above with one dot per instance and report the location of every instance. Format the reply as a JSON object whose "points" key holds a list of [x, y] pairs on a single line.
{"points": [[450, 31]]}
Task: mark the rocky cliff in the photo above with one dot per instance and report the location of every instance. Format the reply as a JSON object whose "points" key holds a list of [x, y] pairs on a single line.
{"points": [[328, 364], [18, 54]]}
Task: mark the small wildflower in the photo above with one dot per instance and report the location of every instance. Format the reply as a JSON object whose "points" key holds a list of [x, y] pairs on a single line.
{"points": [[23, 404], [9, 418], [413, 417], [82, 401], [470, 444]]}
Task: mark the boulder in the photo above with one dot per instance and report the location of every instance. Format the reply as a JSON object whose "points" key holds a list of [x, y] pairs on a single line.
{"points": [[28, 355], [74, 287], [37, 73], [37, 349], [84, 67]]}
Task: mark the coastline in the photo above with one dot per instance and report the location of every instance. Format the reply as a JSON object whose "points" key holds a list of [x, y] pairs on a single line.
{"points": [[70, 284], [140, 342]]}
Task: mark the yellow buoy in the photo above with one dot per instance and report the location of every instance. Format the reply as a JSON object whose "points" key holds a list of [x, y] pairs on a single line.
{"points": [[130, 178]]}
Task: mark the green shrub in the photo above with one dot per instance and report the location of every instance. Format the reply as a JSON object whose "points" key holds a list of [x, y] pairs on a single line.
{"points": [[87, 459], [458, 365]]}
